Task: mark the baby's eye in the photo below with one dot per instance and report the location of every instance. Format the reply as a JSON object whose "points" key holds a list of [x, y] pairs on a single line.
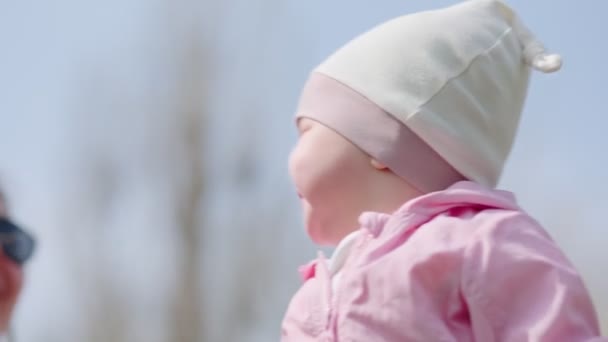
{"points": [[303, 128]]}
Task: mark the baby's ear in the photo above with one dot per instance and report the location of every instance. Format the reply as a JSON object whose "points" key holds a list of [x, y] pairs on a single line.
{"points": [[377, 165]]}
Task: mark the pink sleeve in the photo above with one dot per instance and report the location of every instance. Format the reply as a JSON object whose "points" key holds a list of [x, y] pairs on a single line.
{"points": [[519, 286]]}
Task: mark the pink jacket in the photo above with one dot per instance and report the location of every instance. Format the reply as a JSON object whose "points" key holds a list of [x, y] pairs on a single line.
{"points": [[464, 264]]}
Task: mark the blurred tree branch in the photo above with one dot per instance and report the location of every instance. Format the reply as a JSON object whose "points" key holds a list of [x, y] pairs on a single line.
{"points": [[190, 101]]}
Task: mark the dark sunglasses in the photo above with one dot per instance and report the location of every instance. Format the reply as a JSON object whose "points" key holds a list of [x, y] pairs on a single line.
{"points": [[17, 245]]}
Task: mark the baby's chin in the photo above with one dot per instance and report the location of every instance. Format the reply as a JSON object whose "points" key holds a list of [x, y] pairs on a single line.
{"points": [[319, 233], [323, 227]]}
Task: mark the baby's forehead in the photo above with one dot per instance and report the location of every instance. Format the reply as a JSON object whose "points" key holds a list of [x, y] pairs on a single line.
{"points": [[303, 122]]}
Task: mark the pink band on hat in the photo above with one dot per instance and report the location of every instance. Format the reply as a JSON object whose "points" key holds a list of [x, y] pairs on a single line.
{"points": [[376, 132]]}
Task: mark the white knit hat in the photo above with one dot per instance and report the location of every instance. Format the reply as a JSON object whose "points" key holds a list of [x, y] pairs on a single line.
{"points": [[436, 96]]}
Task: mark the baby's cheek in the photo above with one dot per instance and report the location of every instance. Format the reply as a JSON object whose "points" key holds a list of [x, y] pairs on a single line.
{"points": [[298, 161], [301, 161], [292, 163]]}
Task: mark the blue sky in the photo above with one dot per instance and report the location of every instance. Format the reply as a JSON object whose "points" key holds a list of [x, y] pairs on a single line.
{"points": [[262, 53], [558, 159]]}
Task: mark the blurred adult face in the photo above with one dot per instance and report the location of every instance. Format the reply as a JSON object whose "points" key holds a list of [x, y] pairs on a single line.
{"points": [[11, 280]]}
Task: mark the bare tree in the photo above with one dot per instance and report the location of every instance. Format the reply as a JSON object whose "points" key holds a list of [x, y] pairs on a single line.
{"points": [[187, 305], [192, 65]]}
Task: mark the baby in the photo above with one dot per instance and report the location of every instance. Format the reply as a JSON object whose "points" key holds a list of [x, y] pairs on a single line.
{"points": [[404, 133]]}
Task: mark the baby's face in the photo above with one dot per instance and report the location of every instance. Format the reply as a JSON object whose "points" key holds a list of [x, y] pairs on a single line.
{"points": [[332, 178]]}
